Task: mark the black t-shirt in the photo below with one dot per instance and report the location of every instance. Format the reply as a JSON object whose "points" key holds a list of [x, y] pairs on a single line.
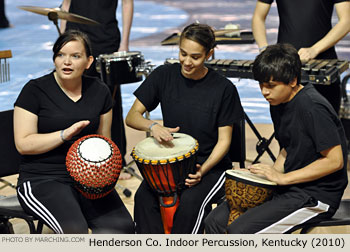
{"points": [[199, 107], [305, 126], [304, 22], [105, 38], [56, 111]]}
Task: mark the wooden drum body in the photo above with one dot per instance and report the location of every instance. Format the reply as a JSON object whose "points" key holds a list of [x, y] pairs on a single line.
{"points": [[165, 169], [245, 190]]}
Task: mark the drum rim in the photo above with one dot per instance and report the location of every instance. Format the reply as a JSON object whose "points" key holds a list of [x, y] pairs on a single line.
{"points": [[94, 136], [271, 184], [185, 150], [189, 154], [132, 55]]}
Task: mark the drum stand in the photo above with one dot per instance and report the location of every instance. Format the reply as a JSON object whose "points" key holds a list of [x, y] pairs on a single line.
{"points": [[263, 143]]}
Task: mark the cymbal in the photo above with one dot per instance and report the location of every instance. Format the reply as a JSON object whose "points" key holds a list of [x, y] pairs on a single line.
{"points": [[60, 14]]}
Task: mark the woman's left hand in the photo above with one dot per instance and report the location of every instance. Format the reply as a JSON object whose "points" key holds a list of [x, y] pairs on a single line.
{"points": [[194, 179]]}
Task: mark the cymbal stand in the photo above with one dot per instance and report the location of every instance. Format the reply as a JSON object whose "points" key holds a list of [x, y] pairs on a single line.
{"points": [[53, 16], [263, 143]]}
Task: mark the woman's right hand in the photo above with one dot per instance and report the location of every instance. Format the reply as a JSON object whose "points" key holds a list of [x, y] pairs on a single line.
{"points": [[75, 129], [163, 134]]}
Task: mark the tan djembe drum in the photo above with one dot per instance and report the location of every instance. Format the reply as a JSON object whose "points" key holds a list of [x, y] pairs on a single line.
{"points": [[245, 190], [94, 162], [165, 169]]}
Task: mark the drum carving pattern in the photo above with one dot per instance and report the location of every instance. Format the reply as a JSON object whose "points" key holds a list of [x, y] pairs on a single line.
{"points": [[242, 194]]}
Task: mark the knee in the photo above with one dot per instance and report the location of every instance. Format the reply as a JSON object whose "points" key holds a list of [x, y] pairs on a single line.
{"points": [[126, 226], [74, 227], [216, 221], [211, 225]]}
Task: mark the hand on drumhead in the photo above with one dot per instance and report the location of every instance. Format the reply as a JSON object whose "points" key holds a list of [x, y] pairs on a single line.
{"points": [[268, 171], [194, 179], [163, 134], [75, 129]]}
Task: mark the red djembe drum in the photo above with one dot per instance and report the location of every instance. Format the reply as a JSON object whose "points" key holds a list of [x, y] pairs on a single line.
{"points": [[94, 162], [245, 190], [165, 169]]}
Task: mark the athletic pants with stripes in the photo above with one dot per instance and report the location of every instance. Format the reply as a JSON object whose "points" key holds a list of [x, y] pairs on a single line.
{"points": [[189, 216], [282, 214], [65, 210]]}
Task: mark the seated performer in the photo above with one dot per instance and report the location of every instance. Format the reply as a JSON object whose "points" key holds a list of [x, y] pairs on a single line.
{"points": [[310, 170], [196, 101], [50, 113]]}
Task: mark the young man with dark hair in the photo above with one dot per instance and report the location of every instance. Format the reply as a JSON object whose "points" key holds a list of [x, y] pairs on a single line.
{"points": [[310, 170]]}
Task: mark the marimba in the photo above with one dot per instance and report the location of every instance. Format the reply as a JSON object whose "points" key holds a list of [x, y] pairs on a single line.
{"points": [[323, 72]]}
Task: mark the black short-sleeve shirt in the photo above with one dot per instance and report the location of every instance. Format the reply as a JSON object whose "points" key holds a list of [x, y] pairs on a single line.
{"points": [[199, 107], [304, 22], [105, 37], [56, 111], [305, 126]]}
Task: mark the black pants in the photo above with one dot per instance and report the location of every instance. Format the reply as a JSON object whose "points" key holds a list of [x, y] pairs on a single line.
{"points": [[282, 214], [65, 210], [189, 216]]}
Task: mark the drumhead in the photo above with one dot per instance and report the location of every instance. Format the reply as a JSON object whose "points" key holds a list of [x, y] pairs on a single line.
{"points": [[150, 149], [119, 56], [248, 176], [95, 149]]}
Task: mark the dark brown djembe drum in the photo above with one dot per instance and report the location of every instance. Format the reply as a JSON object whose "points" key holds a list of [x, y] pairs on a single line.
{"points": [[94, 162], [165, 169], [245, 190]]}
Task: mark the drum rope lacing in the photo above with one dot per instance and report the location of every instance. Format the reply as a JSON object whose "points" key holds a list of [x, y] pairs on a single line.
{"points": [[152, 164]]}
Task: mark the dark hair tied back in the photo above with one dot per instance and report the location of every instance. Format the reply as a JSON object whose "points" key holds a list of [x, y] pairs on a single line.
{"points": [[200, 33]]}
